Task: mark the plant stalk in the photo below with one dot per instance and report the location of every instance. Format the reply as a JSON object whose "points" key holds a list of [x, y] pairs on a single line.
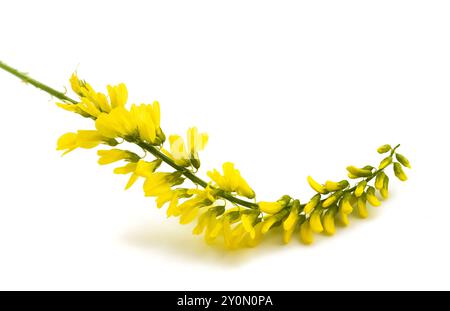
{"points": [[153, 150]]}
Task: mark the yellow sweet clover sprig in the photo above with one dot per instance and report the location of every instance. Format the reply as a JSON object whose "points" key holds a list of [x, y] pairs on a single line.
{"points": [[220, 207]]}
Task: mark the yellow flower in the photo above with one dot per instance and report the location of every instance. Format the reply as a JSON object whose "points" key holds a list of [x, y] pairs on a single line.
{"points": [[195, 142], [315, 221], [92, 104], [345, 205], [202, 222], [147, 119], [335, 186], [306, 234], [189, 214], [114, 155], [292, 219], [359, 172], [287, 235], [274, 207], [316, 186], [159, 182], [67, 142], [371, 197], [315, 200], [231, 181], [118, 95], [360, 188], [238, 235], [342, 218], [190, 208], [253, 241], [362, 207], [331, 199], [138, 169], [248, 222], [328, 222], [268, 223], [82, 139], [271, 207], [345, 209], [168, 196], [118, 123], [213, 228]]}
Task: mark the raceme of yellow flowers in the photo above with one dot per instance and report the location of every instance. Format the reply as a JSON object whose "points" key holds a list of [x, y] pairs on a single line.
{"points": [[222, 208]]}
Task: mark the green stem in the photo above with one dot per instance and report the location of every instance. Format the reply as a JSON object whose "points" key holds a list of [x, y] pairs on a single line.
{"points": [[366, 179], [194, 178], [153, 150], [25, 78]]}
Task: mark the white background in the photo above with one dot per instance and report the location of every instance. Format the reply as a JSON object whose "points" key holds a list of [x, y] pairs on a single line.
{"points": [[284, 88]]}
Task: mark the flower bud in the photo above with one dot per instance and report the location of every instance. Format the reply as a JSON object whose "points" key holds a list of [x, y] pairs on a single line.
{"points": [[384, 148], [385, 190], [398, 171], [345, 205], [292, 219], [385, 162], [312, 204], [360, 188], [316, 186], [331, 199], [335, 186], [328, 222], [315, 222], [306, 234], [362, 206], [371, 197], [359, 172], [270, 207], [268, 223], [403, 160], [379, 181]]}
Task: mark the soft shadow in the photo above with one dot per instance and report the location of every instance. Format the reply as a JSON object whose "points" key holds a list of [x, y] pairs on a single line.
{"points": [[169, 237], [179, 241]]}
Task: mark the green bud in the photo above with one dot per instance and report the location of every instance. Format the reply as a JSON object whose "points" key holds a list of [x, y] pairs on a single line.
{"points": [[384, 149], [379, 181], [360, 188], [398, 171], [359, 172], [403, 160], [195, 161], [386, 161], [385, 190]]}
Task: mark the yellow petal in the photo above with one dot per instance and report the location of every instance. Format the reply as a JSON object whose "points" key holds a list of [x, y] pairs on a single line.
{"points": [[379, 181], [328, 223], [118, 95], [67, 142], [267, 224], [360, 188], [315, 221], [189, 215], [371, 197], [312, 204], [362, 207], [316, 186], [270, 207], [292, 219], [306, 234]]}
